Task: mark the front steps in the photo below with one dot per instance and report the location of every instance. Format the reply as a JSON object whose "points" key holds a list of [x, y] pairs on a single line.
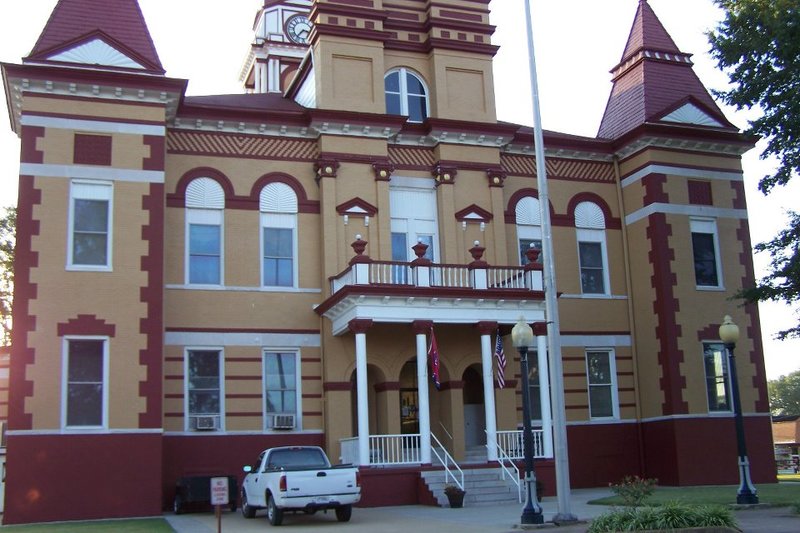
{"points": [[483, 486]]}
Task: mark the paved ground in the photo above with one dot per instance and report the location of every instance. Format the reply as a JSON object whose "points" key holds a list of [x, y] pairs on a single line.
{"points": [[424, 519]]}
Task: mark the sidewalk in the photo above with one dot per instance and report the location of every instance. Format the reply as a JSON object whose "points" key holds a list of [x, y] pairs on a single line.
{"points": [[401, 519], [426, 519]]}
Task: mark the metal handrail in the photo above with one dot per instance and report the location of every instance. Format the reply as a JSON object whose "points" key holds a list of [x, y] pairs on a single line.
{"points": [[446, 432], [448, 458], [502, 457]]}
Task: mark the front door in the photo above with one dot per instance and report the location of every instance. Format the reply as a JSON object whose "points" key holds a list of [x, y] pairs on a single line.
{"points": [[474, 409]]}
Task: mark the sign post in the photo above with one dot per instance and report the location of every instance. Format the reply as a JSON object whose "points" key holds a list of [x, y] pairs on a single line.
{"points": [[219, 497]]}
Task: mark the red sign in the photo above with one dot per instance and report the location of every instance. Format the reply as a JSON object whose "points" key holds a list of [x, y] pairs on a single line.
{"points": [[219, 491]]}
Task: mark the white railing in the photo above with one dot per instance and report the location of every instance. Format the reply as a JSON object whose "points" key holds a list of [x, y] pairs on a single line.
{"points": [[446, 459], [509, 467], [511, 443], [437, 275], [384, 450], [505, 278]]}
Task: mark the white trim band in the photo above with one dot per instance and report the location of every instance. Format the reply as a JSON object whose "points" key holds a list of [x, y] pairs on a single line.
{"points": [[684, 172], [685, 210], [96, 126], [86, 172], [201, 338]]}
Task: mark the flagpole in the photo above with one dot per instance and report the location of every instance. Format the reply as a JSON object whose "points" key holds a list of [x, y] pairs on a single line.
{"points": [[551, 305]]}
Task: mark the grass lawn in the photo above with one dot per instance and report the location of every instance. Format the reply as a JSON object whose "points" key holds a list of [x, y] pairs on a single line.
{"points": [[144, 525], [776, 494]]}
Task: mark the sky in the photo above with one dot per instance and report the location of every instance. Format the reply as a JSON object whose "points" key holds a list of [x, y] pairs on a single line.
{"points": [[577, 43]]}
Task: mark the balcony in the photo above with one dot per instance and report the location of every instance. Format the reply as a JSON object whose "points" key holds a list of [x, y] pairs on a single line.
{"points": [[401, 292]]}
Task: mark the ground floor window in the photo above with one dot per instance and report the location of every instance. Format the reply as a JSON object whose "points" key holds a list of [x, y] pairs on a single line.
{"points": [[204, 389], [281, 387], [601, 372], [86, 377], [715, 363]]}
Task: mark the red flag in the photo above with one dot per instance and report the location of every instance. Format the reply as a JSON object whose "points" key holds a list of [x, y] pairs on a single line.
{"points": [[433, 355], [501, 361]]}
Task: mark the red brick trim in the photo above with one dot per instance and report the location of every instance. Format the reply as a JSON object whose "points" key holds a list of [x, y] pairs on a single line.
{"points": [[369, 209], [151, 294], [665, 304], [28, 151], [91, 149], [86, 325], [158, 150], [25, 290], [452, 385], [344, 386], [486, 327], [421, 327], [387, 386]]}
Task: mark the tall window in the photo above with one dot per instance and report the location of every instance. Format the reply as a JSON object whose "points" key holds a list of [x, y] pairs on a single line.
{"points": [[86, 377], [534, 387], [90, 226], [406, 95], [204, 389], [412, 203], [529, 227], [705, 250], [278, 205], [281, 384], [592, 256], [205, 202], [602, 377], [715, 362]]}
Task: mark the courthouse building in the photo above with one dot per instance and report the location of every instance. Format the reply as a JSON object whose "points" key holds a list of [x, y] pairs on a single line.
{"points": [[200, 278]]}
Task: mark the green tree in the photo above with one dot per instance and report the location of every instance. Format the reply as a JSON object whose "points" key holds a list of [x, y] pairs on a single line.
{"points": [[8, 227], [784, 394], [758, 46]]}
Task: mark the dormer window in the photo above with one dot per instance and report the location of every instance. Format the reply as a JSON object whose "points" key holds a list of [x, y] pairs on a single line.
{"points": [[406, 95]]}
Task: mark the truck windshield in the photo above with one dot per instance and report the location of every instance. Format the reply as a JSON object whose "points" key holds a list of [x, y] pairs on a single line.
{"points": [[297, 458]]}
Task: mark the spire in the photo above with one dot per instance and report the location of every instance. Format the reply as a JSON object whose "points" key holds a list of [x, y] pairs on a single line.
{"points": [[654, 82], [110, 33]]}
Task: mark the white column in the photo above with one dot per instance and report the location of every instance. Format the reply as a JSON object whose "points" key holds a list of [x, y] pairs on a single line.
{"points": [[361, 388], [544, 395], [424, 403], [488, 397]]}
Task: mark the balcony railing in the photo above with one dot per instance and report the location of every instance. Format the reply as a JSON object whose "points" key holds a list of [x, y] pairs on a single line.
{"points": [[423, 273], [511, 443]]}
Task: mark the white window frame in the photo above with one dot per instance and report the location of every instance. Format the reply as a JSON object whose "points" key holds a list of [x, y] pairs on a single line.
{"points": [[707, 226], [529, 224], [206, 217], [65, 381], [403, 85], [187, 418], [278, 208], [612, 368], [593, 236], [298, 386], [91, 190], [727, 376], [408, 218]]}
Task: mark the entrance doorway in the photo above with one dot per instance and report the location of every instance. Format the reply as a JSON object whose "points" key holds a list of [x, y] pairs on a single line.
{"points": [[474, 410]]}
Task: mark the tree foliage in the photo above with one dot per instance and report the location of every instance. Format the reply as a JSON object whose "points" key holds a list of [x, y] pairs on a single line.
{"points": [[758, 45], [784, 394], [8, 226]]}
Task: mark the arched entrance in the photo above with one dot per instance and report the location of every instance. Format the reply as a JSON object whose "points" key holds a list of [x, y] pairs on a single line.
{"points": [[474, 410]]}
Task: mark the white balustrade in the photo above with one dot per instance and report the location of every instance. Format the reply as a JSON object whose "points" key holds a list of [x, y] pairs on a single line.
{"points": [[511, 443]]}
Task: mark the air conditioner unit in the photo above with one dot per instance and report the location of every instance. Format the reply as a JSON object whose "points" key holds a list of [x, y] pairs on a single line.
{"points": [[282, 421], [205, 423]]}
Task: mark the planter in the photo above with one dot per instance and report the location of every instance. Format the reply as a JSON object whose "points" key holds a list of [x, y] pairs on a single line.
{"points": [[456, 498]]}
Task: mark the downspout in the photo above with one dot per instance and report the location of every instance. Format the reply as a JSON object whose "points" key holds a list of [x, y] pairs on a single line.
{"points": [[631, 315]]}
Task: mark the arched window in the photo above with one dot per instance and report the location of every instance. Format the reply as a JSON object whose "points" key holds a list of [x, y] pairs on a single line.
{"points": [[406, 95], [529, 227], [278, 206], [205, 204], [590, 224]]}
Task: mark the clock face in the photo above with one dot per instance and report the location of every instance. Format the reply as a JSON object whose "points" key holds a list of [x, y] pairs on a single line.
{"points": [[298, 29]]}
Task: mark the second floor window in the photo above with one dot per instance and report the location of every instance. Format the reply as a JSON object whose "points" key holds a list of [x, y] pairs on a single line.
{"points": [[592, 256], [205, 204], [705, 251], [90, 226], [278, 206], [406, 95]]}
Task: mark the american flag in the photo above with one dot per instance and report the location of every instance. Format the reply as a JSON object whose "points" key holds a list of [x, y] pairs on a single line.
{"points": [[501, 361], [433, 354]]}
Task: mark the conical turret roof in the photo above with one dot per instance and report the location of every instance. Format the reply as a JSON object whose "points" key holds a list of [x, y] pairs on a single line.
{"points": [[110, 33], [655, 83]]}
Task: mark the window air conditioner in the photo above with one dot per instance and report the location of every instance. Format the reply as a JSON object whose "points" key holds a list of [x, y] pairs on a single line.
{"points": [[282, 421], [205, 423]]}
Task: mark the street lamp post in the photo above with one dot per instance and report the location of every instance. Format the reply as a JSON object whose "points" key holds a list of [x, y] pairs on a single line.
{"points": [[729, 334], [522, 337]]}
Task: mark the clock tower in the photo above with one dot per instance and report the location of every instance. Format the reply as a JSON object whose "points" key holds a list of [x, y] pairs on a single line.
{"points": [[282, 30]]}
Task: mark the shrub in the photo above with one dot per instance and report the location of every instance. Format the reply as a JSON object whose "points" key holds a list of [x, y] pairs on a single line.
{"points": [[634, 490], [673, 515]]}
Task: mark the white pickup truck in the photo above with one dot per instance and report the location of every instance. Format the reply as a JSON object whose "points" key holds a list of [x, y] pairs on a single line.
{"points": [[298, 479]]}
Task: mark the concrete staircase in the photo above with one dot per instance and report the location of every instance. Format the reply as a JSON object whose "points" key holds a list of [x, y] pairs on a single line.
{"points": [[483, 486]]}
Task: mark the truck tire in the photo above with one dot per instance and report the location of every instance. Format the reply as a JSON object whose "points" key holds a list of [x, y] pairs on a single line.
{"points": [[177, 504], [274, 514], [344, 512], [247, 511]]}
